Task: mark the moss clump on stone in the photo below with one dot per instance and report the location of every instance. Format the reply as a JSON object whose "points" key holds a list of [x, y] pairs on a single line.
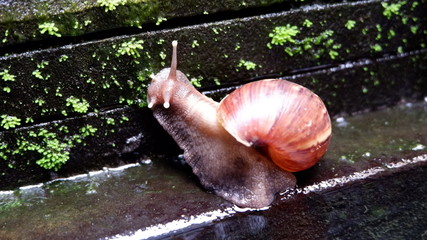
{"points": [[111, 5], [248, 65], [53, 151], [49, 28], [78, 105], [196, 81], [317, 45], [6, 76], [307, 23], [8, 122], [38, 72], [350, 24], [283, 34], [391, 9], [130, 48]]}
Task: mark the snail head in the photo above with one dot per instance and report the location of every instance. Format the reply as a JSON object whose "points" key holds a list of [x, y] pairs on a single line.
{"points": [[163, 83]]}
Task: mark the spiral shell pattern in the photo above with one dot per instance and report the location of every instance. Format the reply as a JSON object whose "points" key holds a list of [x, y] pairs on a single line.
{"points": [[283, 120]]}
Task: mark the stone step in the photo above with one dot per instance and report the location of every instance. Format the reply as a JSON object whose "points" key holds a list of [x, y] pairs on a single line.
{"points": [[49, 22], [356, 56]]}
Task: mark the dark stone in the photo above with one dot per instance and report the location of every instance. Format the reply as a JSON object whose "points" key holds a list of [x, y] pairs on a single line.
{"points": [[378, 61]]}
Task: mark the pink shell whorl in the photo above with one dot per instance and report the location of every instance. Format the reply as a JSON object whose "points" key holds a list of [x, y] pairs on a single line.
{"points": [[283, 120]]}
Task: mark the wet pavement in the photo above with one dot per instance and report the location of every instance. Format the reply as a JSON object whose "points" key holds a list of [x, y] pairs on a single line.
{"points": [[370, 185]]}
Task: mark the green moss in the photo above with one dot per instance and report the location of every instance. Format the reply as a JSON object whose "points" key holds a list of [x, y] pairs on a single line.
{"points": [[391, 33], [364, 90], [7, 89], [49, 28], [391, 9], [105, 85], [124, 119], [38, 73], [29, 120], [365, 31], [350, 24], [333, 54], [194, 44], [80, 26], [160, 41], [9, 121], [6, 76], [63, 58], [3, 150], [317, 45], [307, 23], [53, 151], [379, 29], [248, 65], [160, 20], [58, 92], [39, 102], [237, 47], [404, 20], [376, 82], [215, 30], [217, 81], [6, 34], [414, 5], [78, 105], [282, 35], [162, 55], [414, 29], [88, 130], [12, 204], [111, 121], [64, 129], [130, 48], [111, 5], [196, 81], [376, 48]]}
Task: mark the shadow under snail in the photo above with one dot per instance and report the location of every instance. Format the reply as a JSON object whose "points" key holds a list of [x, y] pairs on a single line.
{"points": [[245, 147]]}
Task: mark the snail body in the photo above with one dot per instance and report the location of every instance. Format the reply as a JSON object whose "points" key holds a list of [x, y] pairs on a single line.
{"points": [[244, 148]]}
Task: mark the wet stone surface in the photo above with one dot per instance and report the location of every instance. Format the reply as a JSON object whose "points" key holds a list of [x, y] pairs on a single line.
{"points": [[371, 184], [387, 208]]}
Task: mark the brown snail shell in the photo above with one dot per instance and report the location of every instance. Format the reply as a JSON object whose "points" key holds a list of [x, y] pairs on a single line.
{"points": [[283, 120]]}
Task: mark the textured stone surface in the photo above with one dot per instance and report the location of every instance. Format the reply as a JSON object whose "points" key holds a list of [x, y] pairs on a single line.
{"points": [[356, 56], [73, 100], [22, 21]]}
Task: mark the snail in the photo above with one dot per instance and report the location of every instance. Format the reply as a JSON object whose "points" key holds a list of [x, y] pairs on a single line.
{"points": [[246, 147]]}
